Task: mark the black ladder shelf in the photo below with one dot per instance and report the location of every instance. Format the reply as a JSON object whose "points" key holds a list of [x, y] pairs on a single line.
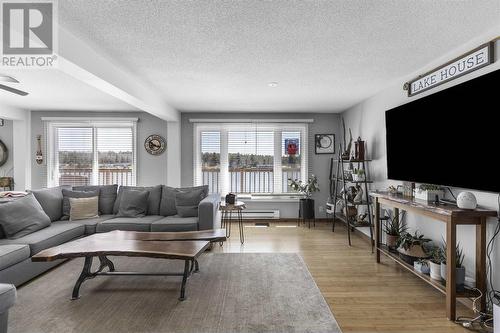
{"points": [[339, 178]]}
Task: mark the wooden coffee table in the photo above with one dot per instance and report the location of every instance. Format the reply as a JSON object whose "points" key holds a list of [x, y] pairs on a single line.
{"points": [[106, 244], [212, 235]]}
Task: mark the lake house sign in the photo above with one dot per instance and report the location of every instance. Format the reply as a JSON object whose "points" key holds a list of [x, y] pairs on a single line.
{"points": [[469, 62]]}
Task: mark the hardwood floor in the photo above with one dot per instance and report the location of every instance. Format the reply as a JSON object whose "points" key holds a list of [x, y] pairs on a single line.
{"points": [[364, 296]]}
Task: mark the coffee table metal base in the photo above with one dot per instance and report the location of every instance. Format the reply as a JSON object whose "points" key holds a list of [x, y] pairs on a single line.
{"points": [[86, 274]]}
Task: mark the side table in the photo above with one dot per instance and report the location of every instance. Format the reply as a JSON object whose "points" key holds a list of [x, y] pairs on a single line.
{"points": [[227, 215]]}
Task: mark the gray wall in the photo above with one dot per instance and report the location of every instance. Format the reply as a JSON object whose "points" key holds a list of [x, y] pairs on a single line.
{"points": [[367, 119], [151, 170], [6, 135], [319, 164]]}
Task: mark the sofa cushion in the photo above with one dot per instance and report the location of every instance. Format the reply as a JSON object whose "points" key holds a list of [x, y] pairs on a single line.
{"points": [[133, 203], [67, 194], [7, 297], [13, 254], [84, 208], [167, 204], [57, 233], [22, 217], [51, 200], [90, 224], [128, 223], [187, 203], [175, 223], [107, 196], [153, 199]]}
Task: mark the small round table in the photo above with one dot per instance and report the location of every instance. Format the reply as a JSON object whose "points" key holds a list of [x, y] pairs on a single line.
{"points": [[227, 215]]}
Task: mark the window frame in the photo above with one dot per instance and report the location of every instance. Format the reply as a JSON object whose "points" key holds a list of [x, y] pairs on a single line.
{"points": [[52, 124], [224, 128]]}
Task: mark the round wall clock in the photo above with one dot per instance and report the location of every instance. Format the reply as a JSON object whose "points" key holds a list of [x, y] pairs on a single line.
{"points": [[155, 144]]}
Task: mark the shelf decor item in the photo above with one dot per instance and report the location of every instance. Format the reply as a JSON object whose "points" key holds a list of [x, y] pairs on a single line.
{"points": [[393, 229], [155, 144], [39, 154], [459, 268], [428, 192], [346, 154], [466, 200], [359, 149], [421, 266], [411, 247], [358, 175], [435, 261]]}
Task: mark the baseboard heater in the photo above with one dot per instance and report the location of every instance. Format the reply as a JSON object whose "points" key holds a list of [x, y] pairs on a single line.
{"points": [[258, 214]]}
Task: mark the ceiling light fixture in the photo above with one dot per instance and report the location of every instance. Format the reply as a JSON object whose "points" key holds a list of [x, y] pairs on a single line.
{"points": [[272, 84]]}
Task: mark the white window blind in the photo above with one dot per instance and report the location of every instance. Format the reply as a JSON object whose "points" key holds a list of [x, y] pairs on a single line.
{"points": [[249, 158], [91, 153]]}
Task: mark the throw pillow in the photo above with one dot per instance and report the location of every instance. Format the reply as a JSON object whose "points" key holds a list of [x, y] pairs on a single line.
{"points": [[84, 208], [153, 199], [67, 194], [133, 203], [51, 200], [167, 205], [107, 196], [23, 216], [186, 203]]}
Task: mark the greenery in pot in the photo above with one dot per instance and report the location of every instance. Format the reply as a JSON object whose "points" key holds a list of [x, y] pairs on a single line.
{"points": [[435, 260], [429, 187], [394, 228], [305, 188], [358, 175], [459, 268], [410, 247], [459, 255]]}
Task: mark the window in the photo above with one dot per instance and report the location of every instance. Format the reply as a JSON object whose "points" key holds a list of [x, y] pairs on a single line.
{"points": [[249, 158], [91, 153]]}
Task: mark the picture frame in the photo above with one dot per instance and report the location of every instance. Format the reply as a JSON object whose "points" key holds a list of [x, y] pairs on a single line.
{"points": [[324, 144]]}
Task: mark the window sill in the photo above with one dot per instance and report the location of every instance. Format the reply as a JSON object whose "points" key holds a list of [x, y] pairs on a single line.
{"points": [[268, 198]]}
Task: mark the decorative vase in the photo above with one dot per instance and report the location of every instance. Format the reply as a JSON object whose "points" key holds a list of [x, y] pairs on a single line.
{"points": [[420, 267], [459, 276], [435, 271], [428, 196], [306, 208], [358, 178], [466, 200]]}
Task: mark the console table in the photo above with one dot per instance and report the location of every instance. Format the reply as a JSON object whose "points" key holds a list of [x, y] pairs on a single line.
{"points": [[452, 216]]}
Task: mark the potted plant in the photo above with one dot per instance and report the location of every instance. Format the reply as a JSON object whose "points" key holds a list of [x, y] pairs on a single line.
{"points": [[459, 268], [358, 175], [393, 229], [428, 192], [410, 247], [435, 260], [306, 189], [422, 266]]}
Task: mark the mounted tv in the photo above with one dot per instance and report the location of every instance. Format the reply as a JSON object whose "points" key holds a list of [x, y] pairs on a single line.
{"points": [[449, 138]]}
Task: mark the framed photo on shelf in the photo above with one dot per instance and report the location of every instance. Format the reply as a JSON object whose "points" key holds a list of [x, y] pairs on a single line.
{"points": [[324, 143]]}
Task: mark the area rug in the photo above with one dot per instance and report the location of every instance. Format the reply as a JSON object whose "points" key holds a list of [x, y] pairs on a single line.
{"points": [[231, 293]]}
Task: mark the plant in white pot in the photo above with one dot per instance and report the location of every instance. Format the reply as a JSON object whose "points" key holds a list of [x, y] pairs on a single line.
{"points": [[306, 189], [411, 247], [428, 192], [393, 229], [459, 268], [358, 175], [435, 261]]}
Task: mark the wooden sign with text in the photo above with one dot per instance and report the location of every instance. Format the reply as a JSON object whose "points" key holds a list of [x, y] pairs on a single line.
{"points": [[469, 62]]}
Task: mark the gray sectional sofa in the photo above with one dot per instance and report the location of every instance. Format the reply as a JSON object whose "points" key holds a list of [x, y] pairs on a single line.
{"points": [[162, 215]]}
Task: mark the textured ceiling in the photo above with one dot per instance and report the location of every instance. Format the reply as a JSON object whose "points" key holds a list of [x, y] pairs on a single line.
{"points": [[325, 55], [54, 90]]}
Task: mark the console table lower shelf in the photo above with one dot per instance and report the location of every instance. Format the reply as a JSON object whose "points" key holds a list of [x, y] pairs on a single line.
{"points": [[451, 216]]}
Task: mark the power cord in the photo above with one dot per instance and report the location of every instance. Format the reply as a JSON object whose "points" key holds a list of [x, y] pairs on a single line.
{"points": [[484, 319], [451, 192]]}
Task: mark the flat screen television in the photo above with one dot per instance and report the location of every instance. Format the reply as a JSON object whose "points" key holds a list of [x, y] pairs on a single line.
{"points": [[449, 138]]}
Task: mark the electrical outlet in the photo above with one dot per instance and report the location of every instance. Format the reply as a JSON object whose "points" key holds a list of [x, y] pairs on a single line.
{"points": [[321, 209]]}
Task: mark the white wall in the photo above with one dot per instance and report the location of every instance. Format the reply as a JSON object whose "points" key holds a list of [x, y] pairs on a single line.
{"points": [[151, 170], [319, 164], [367, 120]]}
